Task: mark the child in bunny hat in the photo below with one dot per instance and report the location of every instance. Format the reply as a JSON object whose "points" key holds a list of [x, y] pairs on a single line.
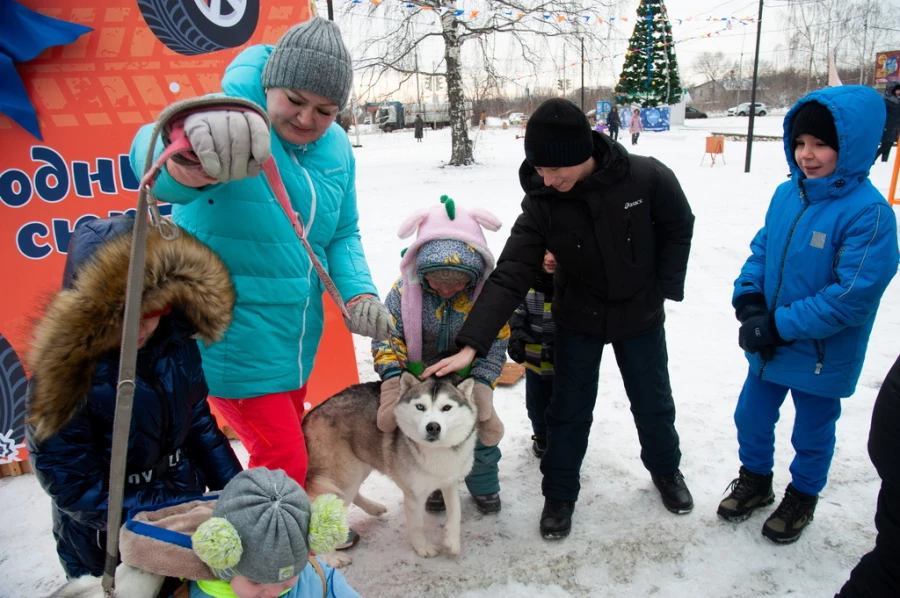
{"points": [[442, 273]]}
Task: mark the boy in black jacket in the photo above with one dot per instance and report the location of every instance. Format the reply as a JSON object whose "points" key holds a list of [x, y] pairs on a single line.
{"points": [[620, 228], [531, 342]]}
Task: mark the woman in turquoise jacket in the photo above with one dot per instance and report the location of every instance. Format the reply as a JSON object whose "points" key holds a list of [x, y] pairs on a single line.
{"points": [[807, 298], [258, 372]]}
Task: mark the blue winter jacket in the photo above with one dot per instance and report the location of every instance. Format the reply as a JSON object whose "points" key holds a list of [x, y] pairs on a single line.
{"points": [[278, 318], [825, 255], [175, 449]]}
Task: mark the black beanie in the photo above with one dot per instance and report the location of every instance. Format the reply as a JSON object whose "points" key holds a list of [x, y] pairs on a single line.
{"points": [[814, 119], [558, 134]]}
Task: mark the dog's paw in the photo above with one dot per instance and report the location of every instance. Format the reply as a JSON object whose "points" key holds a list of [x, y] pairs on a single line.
{"points": [[427, 550], [371, 507], [336, 559], [452, 544]]}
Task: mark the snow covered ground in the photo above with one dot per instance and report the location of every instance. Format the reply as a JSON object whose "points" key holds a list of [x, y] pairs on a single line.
{"points": [[623, 543]]}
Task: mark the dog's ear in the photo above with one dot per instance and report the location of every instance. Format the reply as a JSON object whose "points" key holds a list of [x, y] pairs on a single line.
{"points": [[467, 388], [407, 381]]}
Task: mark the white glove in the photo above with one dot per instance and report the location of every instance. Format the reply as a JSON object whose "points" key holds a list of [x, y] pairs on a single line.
{"points": [[231, 144], [369, 317]]}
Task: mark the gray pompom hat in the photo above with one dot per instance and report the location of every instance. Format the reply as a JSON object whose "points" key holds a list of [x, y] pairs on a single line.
{"points": [[312, 56], [270, 512]]}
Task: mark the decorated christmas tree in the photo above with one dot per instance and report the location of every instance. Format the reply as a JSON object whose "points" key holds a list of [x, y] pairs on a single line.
{"points": [[650, 74]]}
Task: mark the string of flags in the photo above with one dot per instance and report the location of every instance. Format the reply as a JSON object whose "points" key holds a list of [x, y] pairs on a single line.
{"points": [[463, 14], [626, 53]]}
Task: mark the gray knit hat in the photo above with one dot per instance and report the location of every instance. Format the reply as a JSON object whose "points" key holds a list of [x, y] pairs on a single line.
{"points": [[271, 513], [312, 56]]}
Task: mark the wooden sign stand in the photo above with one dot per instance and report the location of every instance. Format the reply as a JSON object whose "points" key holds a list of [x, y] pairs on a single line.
{"points": [[715, 146]]}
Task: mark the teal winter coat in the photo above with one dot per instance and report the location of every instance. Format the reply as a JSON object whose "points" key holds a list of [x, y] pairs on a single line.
{"points": [[278, 318]]}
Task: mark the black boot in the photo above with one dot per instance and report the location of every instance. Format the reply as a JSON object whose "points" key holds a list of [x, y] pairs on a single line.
{"points": [[674, 492], [488, 503], [749, 491], [556, 518], [791, 517], [435, 502]]}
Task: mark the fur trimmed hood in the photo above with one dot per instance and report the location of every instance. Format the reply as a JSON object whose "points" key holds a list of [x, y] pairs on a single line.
{"points": [[84, 321]]}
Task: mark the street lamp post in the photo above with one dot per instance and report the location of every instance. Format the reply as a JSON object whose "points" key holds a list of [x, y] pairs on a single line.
{"points": [[753, 90]]}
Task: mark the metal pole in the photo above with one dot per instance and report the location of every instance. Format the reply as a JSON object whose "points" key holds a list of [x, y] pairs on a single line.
{"points": [[355, 121], [418, 92], [753, 90], [330, 11], [862, 62], [582, 76]]}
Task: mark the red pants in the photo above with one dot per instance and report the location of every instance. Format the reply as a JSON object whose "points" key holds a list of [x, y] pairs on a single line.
{"points": [[269, 427]]}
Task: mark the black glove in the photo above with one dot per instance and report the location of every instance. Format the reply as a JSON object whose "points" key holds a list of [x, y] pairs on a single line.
{"points": [[748, 305], [758, 333], [516, 351], [767, 353]]}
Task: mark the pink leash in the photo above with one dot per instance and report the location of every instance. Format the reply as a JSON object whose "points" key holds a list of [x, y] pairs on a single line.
{"points": [[180, 145]]}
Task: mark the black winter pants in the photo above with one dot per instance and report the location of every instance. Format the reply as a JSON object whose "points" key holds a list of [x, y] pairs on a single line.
{"points": [[643, 362], [538, 391], [884, 150], [614, 132], [878, 573]]}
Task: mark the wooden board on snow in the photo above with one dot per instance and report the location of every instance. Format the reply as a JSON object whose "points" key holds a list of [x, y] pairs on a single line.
{"points": [[511, 373]]}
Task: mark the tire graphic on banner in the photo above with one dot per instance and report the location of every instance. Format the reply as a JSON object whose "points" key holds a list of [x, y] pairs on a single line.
{"points": [[13, 383], [191, 27]]}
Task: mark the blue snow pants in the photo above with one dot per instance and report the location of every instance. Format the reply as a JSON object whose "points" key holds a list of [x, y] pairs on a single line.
{"points": [[813, 437]]}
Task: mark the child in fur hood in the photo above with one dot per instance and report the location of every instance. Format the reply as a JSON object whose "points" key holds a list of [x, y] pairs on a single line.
{"points": [[175, 449], [442, 274], [254, 539]]}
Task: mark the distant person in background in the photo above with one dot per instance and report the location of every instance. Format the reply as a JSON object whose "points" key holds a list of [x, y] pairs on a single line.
{"points": [[614, 122], [635, 127], [419, 126], [892, 123], [878, 573]]}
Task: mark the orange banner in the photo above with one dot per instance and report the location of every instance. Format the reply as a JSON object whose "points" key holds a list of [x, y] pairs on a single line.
{"points": [[91, 97]]}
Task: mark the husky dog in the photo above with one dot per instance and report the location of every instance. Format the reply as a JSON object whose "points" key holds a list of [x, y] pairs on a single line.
{"points": [[432, 448]]}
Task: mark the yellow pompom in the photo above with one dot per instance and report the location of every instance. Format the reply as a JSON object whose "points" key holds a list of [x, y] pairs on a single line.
{"points": [[328, 525], [217, 543]]}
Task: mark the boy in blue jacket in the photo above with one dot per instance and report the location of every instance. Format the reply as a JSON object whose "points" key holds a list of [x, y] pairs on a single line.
{"points": [[806, 299], [175, 449]]}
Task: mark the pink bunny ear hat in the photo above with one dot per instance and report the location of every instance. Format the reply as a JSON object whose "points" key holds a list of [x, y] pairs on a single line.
{"points": [[444, 221]]}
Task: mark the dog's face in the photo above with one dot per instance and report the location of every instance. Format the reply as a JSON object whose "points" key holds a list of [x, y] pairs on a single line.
{"points": [[435, 412]]}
